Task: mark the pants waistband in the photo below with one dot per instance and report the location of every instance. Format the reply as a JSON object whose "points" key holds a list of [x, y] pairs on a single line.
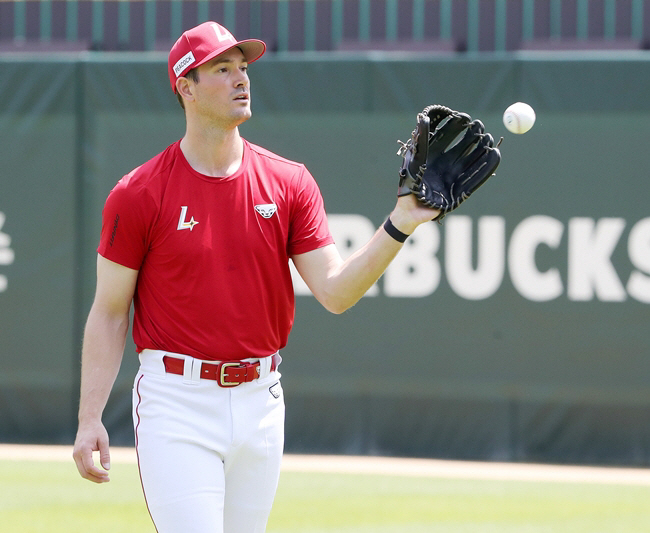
{"points": [[225, 373]]}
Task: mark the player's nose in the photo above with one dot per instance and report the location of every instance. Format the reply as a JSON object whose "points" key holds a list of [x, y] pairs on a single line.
{"points": [[242, 79]]}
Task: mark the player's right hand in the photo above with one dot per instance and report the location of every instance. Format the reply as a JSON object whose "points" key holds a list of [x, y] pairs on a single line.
{"points": [[92, 438]]}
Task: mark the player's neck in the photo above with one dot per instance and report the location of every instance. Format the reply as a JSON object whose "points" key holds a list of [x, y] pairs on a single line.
{"points": [[213, 153]]}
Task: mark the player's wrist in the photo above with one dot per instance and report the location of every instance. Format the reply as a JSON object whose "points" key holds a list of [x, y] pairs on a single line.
{"points": [[394, 232], [89, 415], [402, 224], [405, 214]]}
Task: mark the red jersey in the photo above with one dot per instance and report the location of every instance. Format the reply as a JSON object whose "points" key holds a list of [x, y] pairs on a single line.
{"points": [[213, 253]]}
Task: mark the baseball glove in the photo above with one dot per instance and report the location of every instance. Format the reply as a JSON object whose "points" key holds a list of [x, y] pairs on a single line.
{"points": [[447, 158]]}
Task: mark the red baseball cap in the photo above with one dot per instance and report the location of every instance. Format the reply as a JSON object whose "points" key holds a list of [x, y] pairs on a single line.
{"points": [[203, 43]]}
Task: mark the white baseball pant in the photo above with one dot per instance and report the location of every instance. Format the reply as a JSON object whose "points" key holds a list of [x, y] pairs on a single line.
{"points": [[209, 457]]}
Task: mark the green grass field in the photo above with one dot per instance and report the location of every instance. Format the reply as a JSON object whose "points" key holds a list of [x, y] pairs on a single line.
{"points": [[37, 496]]}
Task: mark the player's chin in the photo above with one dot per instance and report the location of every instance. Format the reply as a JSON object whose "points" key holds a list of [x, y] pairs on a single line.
{"points": [[243, 113]]}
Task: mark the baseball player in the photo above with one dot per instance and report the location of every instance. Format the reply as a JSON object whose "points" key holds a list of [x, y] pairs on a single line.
{"points": [[199, 239]]}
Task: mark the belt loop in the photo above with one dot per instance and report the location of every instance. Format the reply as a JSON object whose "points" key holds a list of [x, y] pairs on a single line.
{"points": [[191, 371], [265, 366], [266, 363]]}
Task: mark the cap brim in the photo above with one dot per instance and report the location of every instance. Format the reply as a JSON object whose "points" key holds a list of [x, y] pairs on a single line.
{"points": [[253, 49]]}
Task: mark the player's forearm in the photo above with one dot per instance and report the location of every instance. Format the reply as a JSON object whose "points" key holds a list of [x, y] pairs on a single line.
{"points": [[339, 284], [361, 271], [103, 348]]}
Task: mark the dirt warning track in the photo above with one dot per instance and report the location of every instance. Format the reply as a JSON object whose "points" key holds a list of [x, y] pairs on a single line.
{"points": [[390, 466]]}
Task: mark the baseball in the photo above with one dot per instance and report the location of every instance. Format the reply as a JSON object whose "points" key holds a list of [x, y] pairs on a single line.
{"points": [[519, 117]]}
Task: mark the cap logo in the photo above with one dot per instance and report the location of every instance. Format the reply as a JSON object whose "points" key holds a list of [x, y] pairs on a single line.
{"points": [[222, 33], [183, 62]]}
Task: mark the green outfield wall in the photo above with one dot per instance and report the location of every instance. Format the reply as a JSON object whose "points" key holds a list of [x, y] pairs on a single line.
{"points": [[518, 329]]}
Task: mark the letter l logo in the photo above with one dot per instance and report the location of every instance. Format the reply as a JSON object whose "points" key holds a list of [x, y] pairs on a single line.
{"points": [[223, 34], [182, 223]]}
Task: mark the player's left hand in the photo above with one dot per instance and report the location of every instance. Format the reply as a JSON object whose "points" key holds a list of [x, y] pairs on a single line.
{"points": [[408, 214]]}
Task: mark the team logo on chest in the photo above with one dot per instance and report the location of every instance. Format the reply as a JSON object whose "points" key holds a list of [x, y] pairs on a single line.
{"points": [[266, 210], [183, 223]]}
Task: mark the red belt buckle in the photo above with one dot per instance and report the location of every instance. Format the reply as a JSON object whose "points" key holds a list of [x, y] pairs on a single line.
{"points": [[222, 374]]}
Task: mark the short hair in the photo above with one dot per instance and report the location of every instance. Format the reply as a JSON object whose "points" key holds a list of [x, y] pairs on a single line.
{"points": [[193, 75]]}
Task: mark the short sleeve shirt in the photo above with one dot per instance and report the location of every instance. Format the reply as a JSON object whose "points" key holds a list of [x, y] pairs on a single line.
{"points": [[213, 253]]}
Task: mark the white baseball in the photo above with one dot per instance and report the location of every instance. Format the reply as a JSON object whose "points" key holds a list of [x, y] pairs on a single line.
{"points": [[519, 117]]}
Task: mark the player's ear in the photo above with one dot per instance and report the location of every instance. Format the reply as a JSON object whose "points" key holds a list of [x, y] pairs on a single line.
{"points": [[184, 88]]}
